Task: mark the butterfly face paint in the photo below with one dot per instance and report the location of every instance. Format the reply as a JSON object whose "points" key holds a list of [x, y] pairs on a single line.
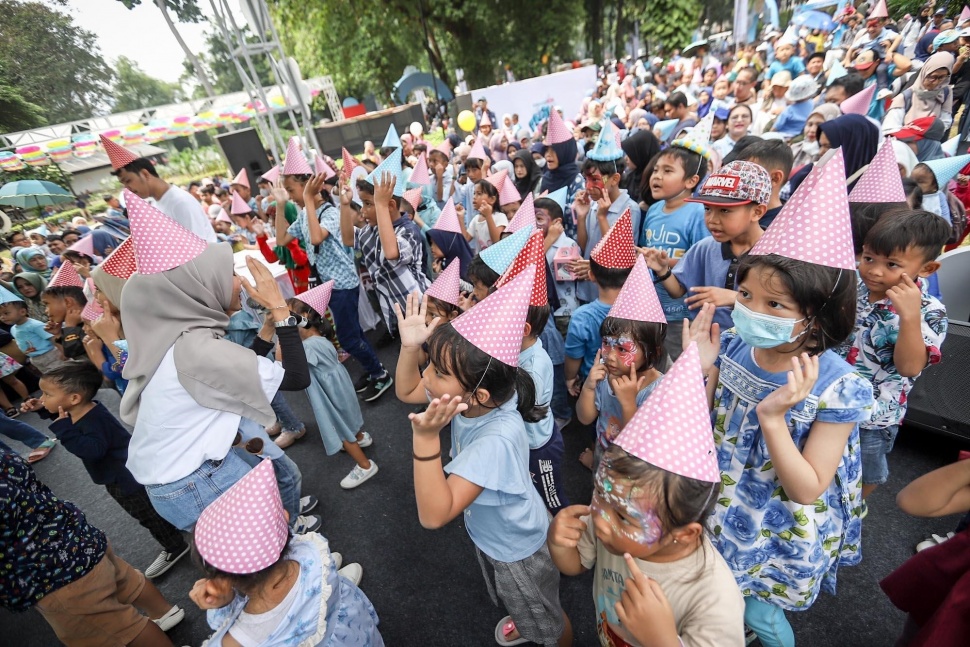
{"points": [[625, 507], [626, 347]]}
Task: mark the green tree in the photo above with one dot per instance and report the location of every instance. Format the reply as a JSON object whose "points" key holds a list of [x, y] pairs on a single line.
{"points": [[52, 62], [671, 23], [16, 113], [220, 66], [134, 89]]}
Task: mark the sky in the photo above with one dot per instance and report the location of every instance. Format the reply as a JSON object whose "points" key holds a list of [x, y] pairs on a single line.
{"points": [[140, 34]]}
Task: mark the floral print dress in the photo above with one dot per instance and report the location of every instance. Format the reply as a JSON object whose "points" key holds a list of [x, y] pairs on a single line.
{"points": [[780, 551]]}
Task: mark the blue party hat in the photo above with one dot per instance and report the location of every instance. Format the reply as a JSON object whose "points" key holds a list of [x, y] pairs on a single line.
{"points": [[500, 255], [663, 128], [392, 165], [950, 146], [6, 296], [946, 168], [837, 71], [559, 197], [391, 140], [606, 149]]}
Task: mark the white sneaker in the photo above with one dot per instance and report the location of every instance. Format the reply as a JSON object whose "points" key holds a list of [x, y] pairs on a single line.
{"points": [[307, 503], [365, 440], [170, 619], [307, 523], [353, 572], [934, 540], [338, 560], [163, 562], [358, 475]]}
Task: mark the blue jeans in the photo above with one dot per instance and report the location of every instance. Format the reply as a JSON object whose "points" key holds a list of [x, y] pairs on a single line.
{"points": [[20, 431], [344, 308], [285, 414], [288, 477], [874, 445], [180, 503], [560, 396], [769, 623]]}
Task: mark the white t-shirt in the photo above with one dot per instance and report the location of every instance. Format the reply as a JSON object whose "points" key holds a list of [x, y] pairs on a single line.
{"points": [[478, 228], [180, 206], [174, 434], [703, 594]]}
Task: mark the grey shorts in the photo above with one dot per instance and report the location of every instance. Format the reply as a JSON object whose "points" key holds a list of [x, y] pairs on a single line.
{"points": [[529, 589]]}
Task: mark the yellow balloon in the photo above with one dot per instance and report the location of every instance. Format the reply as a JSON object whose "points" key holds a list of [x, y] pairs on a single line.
{"points": [[466, 120]]}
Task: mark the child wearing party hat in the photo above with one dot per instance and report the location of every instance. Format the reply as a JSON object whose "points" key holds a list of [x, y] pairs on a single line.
{"points": [[546, 446], [787, 409], [598, 206], [253, 566], [474, 382], [561, 253], [390, 250], [64, 302], [672, 225], [485, 269], [735, 199], [321, 239], [609, 266], [331, 392], [645, 531], [933, 178], [878, 191], [476, 163], [448, 243], [30, 334], [899, 327], [625, 370], [486, 226], [560, 170]]}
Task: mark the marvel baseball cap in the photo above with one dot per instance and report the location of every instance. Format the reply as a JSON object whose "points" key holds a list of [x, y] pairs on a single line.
{"points": [[735, 184]]}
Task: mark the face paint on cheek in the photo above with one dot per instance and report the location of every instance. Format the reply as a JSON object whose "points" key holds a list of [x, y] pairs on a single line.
{"points": [[626, 510]]}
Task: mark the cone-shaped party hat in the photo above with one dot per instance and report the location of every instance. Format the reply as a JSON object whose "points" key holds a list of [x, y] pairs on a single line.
{"points": [[507, 193], [392, 165], [880, 10], [477, 152], [814, 227], [606, 148], [672, 429], [224, 217], [320, 167], [496, 325], [391, 140], [533, 253], [559, 197], [446, 286], [500, 255], [616, 248], [241, 178], [837, 71], [84, 245], [121, 262], [120, 157], [664, 128], [66, 275], [498, 178], [272, 175], [350, 162], [637, 299], [413, 197], [244, 530], [946, 168], [858, 104], [295, 162], [698, 138], [556, 131], [92, 311], [160, 242], [420, 174], [238, 206], [525, 216], [881, 182], [485, 120], [6, 296], [318, 297], [448, 220], [951, 145]]}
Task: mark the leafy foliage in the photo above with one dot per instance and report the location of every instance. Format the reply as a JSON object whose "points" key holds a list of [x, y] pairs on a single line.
{"points": [[51, 62], [185, 10], [671, 23], [221, 68], [134, 89], [16, 113]]}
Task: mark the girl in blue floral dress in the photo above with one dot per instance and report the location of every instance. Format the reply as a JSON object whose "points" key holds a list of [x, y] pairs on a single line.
{"points": [[786, 426]]}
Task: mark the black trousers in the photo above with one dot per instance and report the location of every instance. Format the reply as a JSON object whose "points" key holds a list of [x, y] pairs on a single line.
{"points": [[139, 506]]}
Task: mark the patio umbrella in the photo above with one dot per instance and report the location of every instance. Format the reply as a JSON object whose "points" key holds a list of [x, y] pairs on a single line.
{"points": [[28, 194], [814, 20]]}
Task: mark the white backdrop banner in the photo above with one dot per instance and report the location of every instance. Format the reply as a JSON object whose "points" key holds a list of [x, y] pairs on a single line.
{"points": [[532, 99]]}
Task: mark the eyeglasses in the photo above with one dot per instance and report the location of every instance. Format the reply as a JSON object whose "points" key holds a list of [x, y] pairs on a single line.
{"points": [[937, 78]]}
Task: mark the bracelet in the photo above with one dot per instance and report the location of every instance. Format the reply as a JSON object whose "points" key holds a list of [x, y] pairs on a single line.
{"points": [[279, 307], [426, 458], [661, 279]]}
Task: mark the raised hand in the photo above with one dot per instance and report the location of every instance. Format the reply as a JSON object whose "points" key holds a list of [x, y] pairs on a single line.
{"points": [[801, 379], [266, 292], [707, 335], [597, 373], [439, 413], [626, 386], [412, 324], [644, 610], [906, 297], [568, 526], [720, 297]]}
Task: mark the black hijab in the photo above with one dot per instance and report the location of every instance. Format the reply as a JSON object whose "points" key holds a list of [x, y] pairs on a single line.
{"points": [[640, 147], [565, 173], [527, 184]]}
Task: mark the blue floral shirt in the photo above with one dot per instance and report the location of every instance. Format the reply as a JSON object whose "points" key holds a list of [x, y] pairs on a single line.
{"points": [[780, 551], [870, 350]]}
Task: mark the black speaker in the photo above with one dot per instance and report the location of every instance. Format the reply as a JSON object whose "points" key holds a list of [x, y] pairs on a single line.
{"points": [[243, 149], [939, 400], [352, 133]]}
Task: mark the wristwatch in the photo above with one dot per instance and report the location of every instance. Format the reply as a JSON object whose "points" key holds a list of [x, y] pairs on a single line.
{"points": [[289, 321], [663, 277]]}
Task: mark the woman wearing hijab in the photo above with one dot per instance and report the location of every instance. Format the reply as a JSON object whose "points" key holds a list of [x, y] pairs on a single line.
{"points": [[448, 247], [33, 259], [929, 96], [190, 391], [563, 171], [103, 242], [640, 148], [806, 150], [498, 145], [859, 138], [526, 172], [30, 285]]}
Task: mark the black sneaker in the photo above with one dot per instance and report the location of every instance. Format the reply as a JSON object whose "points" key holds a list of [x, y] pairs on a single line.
{"points": [[376, 387], [362, 383]]}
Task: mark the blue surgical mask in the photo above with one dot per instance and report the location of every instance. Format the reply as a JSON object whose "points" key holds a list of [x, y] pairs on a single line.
{"points": [[763, 331]]}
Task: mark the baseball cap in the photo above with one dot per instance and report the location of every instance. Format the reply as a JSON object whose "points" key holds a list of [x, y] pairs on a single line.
{"points": [[921, 128], [945, 37], [736, 183], [941, 11]]}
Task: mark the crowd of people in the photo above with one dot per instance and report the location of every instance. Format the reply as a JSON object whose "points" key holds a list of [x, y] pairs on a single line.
{"points": [[728, 290]]}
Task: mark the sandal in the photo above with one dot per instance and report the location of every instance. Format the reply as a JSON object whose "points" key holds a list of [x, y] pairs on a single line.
{"points": [[504, 627], [12, 412], [41, 452]]}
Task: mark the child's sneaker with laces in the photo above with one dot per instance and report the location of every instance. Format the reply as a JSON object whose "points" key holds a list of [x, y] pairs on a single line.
{"points": [[307, 523], [376, 387], [358, 475]]}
